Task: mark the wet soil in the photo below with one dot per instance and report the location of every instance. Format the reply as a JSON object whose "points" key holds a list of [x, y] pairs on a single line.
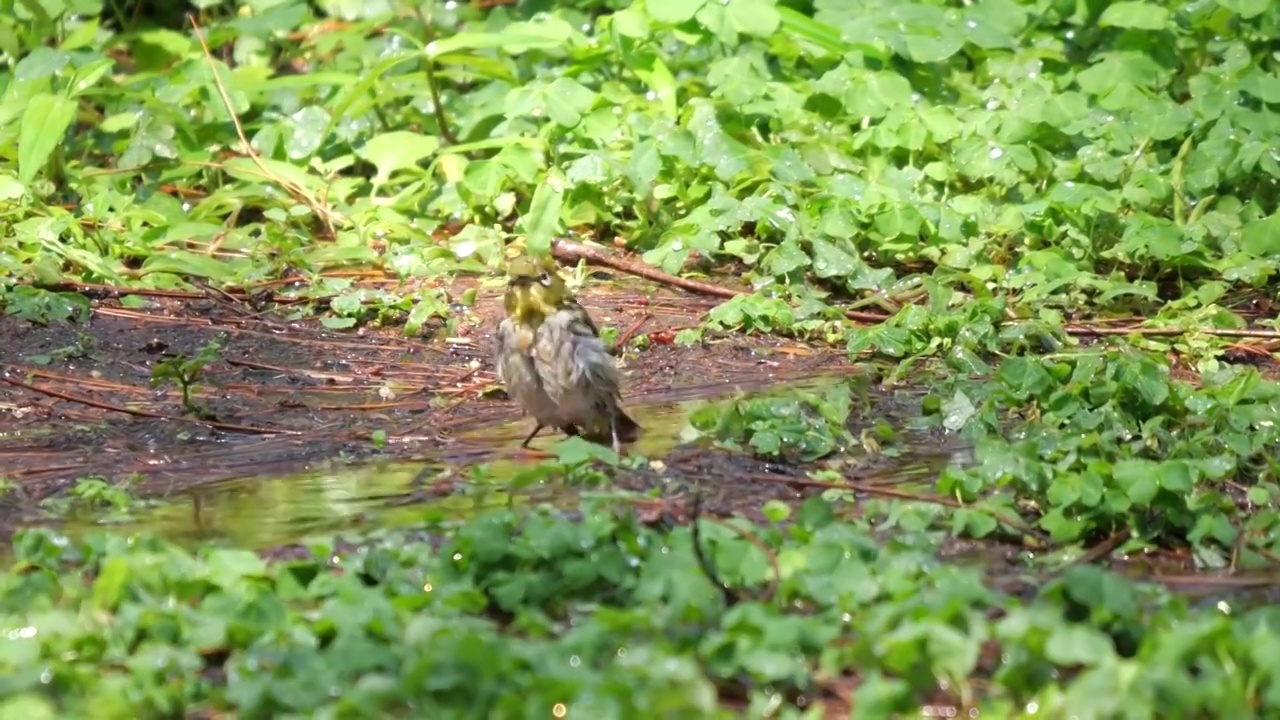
{"points": [[78, 401], [308, 431]]}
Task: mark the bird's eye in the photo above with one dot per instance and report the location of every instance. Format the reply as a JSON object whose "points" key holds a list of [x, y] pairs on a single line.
{"points": [[545, 279]]}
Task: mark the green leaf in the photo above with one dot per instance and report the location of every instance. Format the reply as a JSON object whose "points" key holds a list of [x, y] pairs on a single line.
{"points": [[1246, 9], [28, 706], [631, 22], [673, 12], [542, 222], [935, 45], [753, 17], [786, 258], [41, 63], [834, 258], [109, 585], [514, 39], [1138, 480], [575, 450], [957, 411], [873, 94], [1135, 15], [226, 567], [44, 125], [243, 168], [1261, 237], [567, 100], [397, 150], [307, 129], [338, 323], [183, 262], [776, 511], [1176, 476], [1077, 645]]}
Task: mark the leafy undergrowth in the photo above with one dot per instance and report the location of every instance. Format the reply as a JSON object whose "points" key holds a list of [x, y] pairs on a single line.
{"points": [[980, 183], [527, 614], [1079, 447], [979, 175], [839, 601]]}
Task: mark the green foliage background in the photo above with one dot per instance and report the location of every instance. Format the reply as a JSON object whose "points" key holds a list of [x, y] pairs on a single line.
{"points": [[986, 176]]}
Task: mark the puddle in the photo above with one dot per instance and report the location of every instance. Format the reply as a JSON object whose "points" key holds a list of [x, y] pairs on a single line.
{"points": [[260, 512], [265, 511]]}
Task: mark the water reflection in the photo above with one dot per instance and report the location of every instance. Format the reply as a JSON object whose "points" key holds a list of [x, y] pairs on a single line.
{"points": [[264, 511]]}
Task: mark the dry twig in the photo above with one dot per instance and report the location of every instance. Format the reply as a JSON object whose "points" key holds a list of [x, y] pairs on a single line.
{"points": [[317, 206]]}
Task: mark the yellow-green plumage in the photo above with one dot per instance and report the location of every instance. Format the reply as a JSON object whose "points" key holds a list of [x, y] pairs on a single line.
{"points": [[551, 359]]}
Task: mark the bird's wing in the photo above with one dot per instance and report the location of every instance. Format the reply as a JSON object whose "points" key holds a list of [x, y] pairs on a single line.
{"points": [[503, 340]]}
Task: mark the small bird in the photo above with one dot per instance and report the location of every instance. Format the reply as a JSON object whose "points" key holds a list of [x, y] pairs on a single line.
{"points": [[552, 361]]}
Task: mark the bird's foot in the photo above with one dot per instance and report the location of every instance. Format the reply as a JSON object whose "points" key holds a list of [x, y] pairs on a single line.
{"points": [[528, 454]]}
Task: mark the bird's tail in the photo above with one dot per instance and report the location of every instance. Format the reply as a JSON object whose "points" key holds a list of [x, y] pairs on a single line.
{"points": [[611, 421], [628, 429]]}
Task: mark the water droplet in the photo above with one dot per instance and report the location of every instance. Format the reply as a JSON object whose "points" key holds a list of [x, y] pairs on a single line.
{"points": [[971, 25], [996, 153]]}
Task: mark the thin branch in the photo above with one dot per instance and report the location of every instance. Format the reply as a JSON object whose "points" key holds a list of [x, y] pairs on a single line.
{"points": [[569, 251], [437, 107], [631, 331], [1102, 549], [433, 84], [708, 569], [6, 376], [299, 194]]}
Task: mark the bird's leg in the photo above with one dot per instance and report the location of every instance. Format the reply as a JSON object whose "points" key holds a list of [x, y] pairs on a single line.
{"points": [[537, 429], [613, 429]]}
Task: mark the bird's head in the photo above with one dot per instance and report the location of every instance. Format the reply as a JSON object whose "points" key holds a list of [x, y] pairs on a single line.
{"points": [[534, 288]]}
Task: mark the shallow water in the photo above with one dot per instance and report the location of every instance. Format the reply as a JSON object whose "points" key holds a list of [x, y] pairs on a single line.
{"points": [[265, 511]]}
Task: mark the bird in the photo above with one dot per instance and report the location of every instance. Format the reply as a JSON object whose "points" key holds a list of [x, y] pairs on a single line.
{"points": [[551, 360]]}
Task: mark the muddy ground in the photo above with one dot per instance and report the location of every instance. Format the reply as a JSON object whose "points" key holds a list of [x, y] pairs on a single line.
{"points": [[78, 399]]}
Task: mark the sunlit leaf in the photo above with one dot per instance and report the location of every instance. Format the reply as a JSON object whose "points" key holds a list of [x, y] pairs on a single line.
{"points": [[44, 125], [542, 221], [397, 150]]}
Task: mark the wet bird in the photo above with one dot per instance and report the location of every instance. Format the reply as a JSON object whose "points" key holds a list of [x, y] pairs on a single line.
{"points": [[552, 361]]}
